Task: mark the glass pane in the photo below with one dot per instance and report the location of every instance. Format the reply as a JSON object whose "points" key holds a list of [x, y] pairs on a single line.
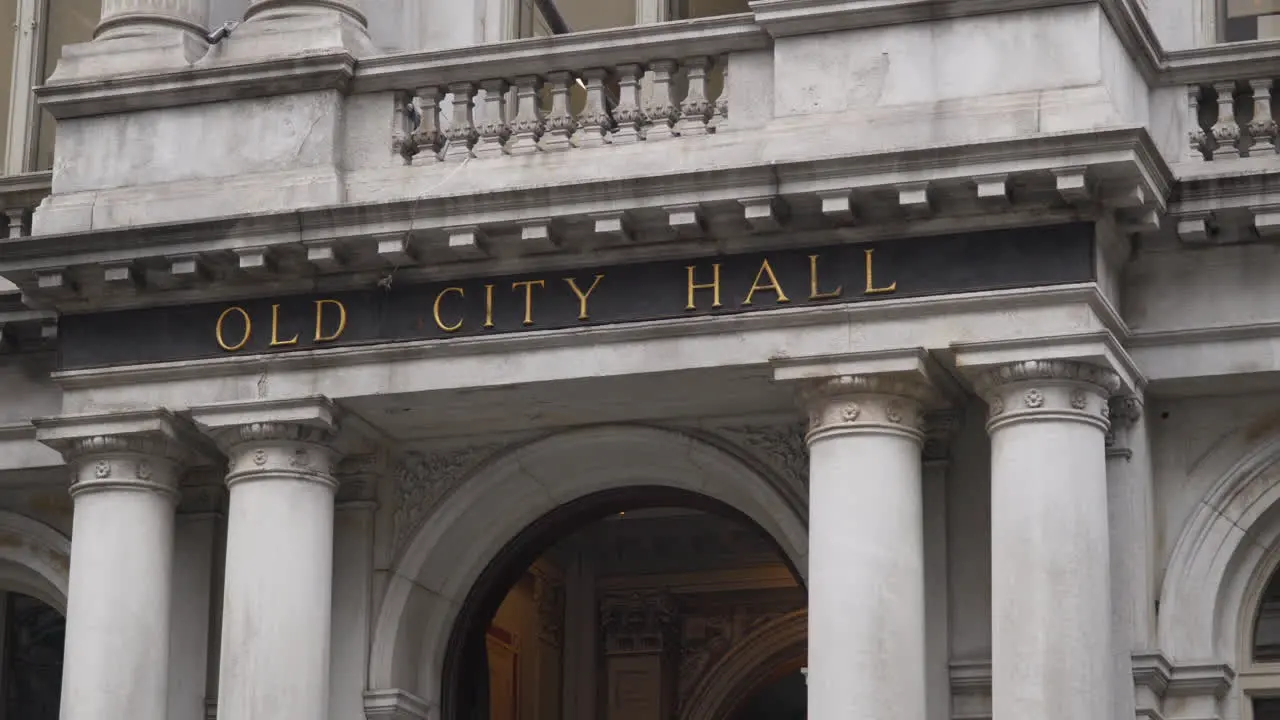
{"points": [[1266, 709], [690, 9], [8, 50], [67, 22], [581, 15], [1266, 634], [1252, 20], [33, 668]]}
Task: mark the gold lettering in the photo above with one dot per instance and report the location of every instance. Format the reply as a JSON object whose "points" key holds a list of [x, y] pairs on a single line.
{"points": [[814, 293], [244, 339], [772, 286], [714, 286], [435, 309], [528, 296], [582, 296], [342, 321], [871, 286], [275, 330], [488, 306]]}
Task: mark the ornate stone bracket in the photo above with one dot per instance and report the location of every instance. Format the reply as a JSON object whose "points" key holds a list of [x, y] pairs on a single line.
{"points": [[1125, 411]]}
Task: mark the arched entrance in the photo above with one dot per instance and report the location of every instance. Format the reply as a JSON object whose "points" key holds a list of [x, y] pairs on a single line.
{"points": [[623, 604], [34, 563], [484, 536]]}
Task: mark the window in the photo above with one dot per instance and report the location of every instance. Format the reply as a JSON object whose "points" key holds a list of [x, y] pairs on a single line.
{"points": [[1260, 674], [548, 17], [1250, 20], [33, 34]]}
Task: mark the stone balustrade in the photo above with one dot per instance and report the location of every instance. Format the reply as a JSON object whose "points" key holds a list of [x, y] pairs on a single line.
{"points": [[1232, 119], [559, 110]]}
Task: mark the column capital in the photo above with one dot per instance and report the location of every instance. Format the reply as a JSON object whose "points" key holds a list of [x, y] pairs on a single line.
{"points": [[887, 391], [1063, 389], [271, 439], [131, 450], [1124, 411]]}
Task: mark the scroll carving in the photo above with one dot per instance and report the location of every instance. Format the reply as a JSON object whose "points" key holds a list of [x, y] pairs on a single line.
{"points": [[424, 481]]}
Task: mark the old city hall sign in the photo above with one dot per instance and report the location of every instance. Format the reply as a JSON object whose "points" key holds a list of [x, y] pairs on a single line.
{"points": [[552, 300]]}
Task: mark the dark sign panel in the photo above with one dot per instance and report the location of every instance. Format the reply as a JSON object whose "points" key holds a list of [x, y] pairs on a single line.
{"points": [[628, 293]]}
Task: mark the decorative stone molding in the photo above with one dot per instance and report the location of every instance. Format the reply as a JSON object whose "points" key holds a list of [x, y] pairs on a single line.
{"points": [[940, 429], [424, 481], [1124, 411], [394, 705], [263, 440], [1060, 388], [854, 403], [638, 623], [782, 447], [131, 450], [719, 686]]}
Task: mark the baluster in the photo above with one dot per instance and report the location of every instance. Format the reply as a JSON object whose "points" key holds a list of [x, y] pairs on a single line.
{"points": [[720, 110], [628, 115], [1263, 126], [662, 111], [462, 128], [402, 140], [1226, 133], [593, 121], [494, 129], [695, 110], [1200, 146], [526, 126], [559, 122], [427, 136], [17, 222]]}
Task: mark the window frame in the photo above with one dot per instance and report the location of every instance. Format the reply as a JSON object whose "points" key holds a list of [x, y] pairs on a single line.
{"points": [[19, 151], [1255, 679]]}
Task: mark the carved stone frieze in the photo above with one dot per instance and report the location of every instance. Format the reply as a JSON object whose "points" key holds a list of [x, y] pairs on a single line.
{"points": [[1051, 388], [781, 447], [638, 622], [423, 481]]}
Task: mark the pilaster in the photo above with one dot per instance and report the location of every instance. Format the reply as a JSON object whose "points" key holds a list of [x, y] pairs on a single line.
{"points": [[940, 429], [640, 642]]}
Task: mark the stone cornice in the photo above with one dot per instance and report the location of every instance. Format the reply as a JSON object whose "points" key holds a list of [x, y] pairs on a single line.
{"points": [[1120, 151], [195, 85], [156, 432]]}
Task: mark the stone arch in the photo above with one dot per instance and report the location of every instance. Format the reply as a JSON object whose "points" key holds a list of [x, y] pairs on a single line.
{"points": [[429, 583], [34, 559], [727, 683], [1221, 553]]}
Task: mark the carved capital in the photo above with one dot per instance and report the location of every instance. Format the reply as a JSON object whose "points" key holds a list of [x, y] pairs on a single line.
{"points": [[940, 429], [865, 403], [283, 439], [1125, 411], [129, 450], [1039, 389], [638, 623]]}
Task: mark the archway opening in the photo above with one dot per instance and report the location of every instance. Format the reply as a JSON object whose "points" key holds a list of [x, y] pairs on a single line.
{"points": [[31, 662], [624, 604]]}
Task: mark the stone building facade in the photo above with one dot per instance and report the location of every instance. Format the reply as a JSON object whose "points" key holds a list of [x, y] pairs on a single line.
{"points": [[639, 359]]}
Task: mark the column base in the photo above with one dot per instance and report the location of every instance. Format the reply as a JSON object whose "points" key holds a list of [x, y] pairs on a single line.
{"points": [[150, 50], [316, 31]]}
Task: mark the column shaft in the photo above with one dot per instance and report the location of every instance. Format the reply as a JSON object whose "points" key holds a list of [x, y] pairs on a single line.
{"points": [[1050, 556], [278, 588], [866, 555], [118, 601]]}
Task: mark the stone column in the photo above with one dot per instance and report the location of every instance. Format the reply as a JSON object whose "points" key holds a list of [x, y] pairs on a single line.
{"points": [[866, 554], [1051, 650], [138, 36], [125, 472], [280, 27], [277, 588]]}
